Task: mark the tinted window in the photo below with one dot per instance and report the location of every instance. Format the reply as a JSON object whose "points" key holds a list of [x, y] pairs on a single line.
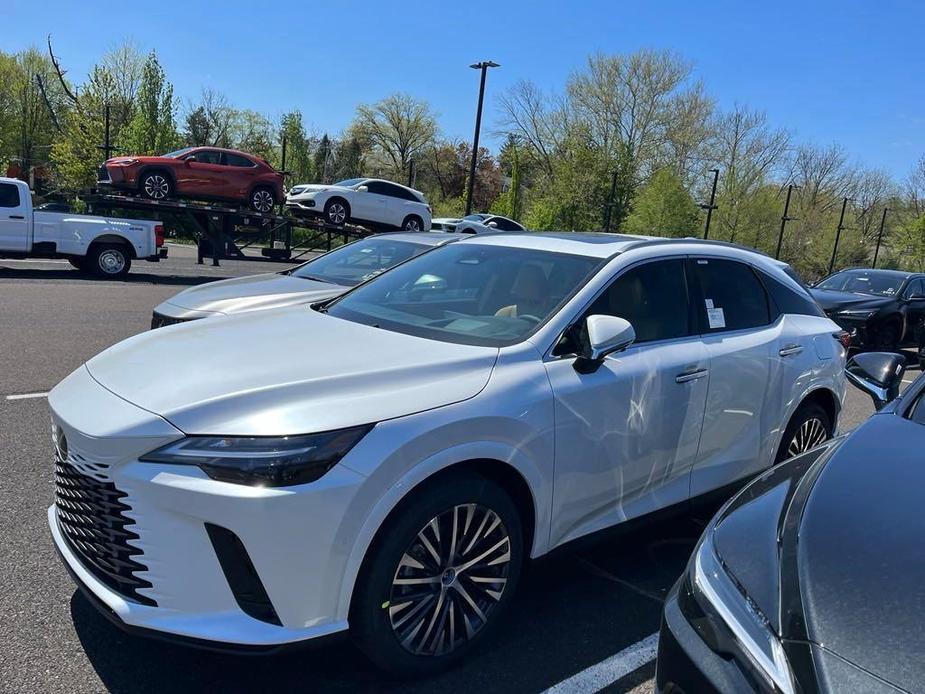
{"points": [[207, 156], [915, 288], [788, 300], [394, 191], [237, 160], [351, 264], [876, 282], [732, 296], [9, 195], [505, 224], [469, 293], [377, 187], [653, 297]]}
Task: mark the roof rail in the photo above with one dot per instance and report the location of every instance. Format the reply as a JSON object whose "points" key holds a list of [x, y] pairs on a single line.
{"points": [[691, 239]]}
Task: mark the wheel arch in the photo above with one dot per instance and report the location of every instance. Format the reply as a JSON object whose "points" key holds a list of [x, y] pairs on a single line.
{"points": [[826, 399], [115, 239], [513, 478]]}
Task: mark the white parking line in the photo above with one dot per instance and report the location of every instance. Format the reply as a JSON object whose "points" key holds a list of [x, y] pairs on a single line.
{"points": [[606, 672], [26, 396]]}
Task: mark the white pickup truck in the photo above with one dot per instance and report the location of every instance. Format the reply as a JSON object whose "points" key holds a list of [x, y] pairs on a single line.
{"points": [[102, 245]]}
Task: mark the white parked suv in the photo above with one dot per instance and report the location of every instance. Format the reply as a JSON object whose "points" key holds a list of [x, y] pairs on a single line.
{"points": [[482, 221], [368, 201], [427, 433]]}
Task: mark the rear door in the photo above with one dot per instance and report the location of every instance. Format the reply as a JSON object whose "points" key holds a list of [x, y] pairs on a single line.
{"points": [[743, 406], [14, 219], [627, 434], [240, 174]]}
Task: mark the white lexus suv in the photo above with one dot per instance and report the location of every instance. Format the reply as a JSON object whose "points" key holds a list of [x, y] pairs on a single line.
{"points": [[368, 201], [421, 437]]}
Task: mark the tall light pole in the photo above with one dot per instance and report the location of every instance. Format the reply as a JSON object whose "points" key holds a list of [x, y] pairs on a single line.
{"points": [[880, 235], [483, 66], [838, 231], [712, 206], [784, 219]]}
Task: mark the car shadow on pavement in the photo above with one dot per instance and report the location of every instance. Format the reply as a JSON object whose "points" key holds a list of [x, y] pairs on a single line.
{"points": [[132, 278], [574, 609]]}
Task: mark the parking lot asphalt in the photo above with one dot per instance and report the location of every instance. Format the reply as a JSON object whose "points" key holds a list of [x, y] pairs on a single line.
{"points": [[576, 609]]}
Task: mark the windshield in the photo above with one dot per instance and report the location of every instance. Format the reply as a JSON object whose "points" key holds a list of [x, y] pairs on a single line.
{"points": [[350, 182], [178, 153], [469, 293], [351, 264], [863, 282]]}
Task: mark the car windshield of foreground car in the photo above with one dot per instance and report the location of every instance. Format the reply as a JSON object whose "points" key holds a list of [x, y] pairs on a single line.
{"points": [[350, 182], [351, 264], [469, 293], [178, 153], [863, 282]]}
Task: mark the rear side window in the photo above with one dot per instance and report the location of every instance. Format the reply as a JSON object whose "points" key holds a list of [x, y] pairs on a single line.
{"points": [[9, 195], [208, 156], [787, 300], [653, 297], [732, 297], [238, 160]]}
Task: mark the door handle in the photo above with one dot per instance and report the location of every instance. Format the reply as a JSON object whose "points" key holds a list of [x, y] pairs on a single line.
{"points": [[690, 375], [790, 350], [16, 216]]}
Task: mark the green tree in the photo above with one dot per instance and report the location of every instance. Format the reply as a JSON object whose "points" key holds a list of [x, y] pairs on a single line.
{"points": [[663, 207], [299, 162], [152, 129], [396, 129], [348, 160], [324, 153]]}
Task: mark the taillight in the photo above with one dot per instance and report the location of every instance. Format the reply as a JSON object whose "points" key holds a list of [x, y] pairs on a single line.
{"points": [[844, 337], [158, 235]]}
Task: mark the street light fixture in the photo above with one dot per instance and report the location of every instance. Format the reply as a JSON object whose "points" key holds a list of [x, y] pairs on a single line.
{"points": [[483, 66]]}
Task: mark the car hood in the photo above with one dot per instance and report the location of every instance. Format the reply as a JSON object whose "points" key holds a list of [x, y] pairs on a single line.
{"points": [[287, 371], [270, 290], [837, 301], [860, 559]]}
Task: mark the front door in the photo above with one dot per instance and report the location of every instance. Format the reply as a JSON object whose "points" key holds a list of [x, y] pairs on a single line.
{"points": [[373, 205], [14, 219], [627, 434]]}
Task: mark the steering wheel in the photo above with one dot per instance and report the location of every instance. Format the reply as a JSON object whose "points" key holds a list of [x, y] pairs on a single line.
{"points": [[528, 317]]}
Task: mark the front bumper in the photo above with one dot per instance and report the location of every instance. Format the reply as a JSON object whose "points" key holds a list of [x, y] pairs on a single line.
{"points": [[686, 664], [290, 535], [302, 206]]}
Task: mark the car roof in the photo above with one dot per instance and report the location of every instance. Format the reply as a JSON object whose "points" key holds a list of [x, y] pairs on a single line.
{"points": [[226, 149], [425, 238]]}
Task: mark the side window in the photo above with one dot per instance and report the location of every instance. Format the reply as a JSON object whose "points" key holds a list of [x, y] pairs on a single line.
{"points": [[9, 195], [653, 297], [914, 288], [238, 160], [504, 224], [788, 300], [732, 296], [377, 187], [208, 156]]}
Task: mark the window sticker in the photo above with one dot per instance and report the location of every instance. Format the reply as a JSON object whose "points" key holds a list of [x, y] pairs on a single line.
{"points": [[708, 302], [716, 318]]}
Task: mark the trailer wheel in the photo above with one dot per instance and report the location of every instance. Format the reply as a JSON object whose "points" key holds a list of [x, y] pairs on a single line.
{"points": [[110, 260]]}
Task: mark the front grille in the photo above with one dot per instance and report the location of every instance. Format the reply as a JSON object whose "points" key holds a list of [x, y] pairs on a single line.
{"points": [[159, 320], [103, 174], [92, 521]]}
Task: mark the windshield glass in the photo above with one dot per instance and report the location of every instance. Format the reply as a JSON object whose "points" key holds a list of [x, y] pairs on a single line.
{"points": [[178, 153], [476, 217], [863, 282], [350, 182], [351, 264], [469, 293]]}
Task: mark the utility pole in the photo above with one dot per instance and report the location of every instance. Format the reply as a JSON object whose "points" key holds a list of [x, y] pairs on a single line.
{"points": [[483, 66], [709, 208], [282, 166], [107, 145], [411, 172], [608, 211], [838, 231], [880, 234], [783, 220]]}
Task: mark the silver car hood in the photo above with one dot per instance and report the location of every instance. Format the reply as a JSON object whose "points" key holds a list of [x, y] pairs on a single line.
{"points": [[270, 290], [287, 371]]}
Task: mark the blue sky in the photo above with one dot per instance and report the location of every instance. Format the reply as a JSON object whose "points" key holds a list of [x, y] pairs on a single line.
{"points": [[847, 72]]}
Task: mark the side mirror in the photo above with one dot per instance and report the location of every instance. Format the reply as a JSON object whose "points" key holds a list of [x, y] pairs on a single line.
{"points": [[492, 225], [362, 189], [190, 159], [606, 335], [879, 374]]}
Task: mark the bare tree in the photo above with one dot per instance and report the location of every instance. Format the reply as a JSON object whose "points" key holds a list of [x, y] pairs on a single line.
{"points": [[397, 127], [532, 116]]}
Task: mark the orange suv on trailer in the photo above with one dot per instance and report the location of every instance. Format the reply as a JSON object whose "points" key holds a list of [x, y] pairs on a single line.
{"points": [[203, 173]]}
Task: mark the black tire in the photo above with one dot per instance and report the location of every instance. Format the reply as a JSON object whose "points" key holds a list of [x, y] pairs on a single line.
{"points": [[109, 260], [376, 602], [809, 426], [888, 335], [156, 185], [413, 223], [263, 199], [336, 211], [467, 230]]}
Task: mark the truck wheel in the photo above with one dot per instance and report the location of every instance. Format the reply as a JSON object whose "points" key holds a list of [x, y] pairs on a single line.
{"points": [[109, 260]]}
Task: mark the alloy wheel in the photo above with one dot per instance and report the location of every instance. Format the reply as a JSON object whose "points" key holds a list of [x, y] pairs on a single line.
{"points": [[111, 262], [450, 580], [156, 187], [336, 213], [412, 225], [262, 200], [811, 433]]}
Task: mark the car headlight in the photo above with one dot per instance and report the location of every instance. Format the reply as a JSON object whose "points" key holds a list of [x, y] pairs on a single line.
{"points": [[296, 190], [265, 461], [860, 313], [730, 623]]}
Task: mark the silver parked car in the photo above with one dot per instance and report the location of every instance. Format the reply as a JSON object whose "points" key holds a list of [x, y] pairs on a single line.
{"points": [[320, 278], [435, 428]]}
